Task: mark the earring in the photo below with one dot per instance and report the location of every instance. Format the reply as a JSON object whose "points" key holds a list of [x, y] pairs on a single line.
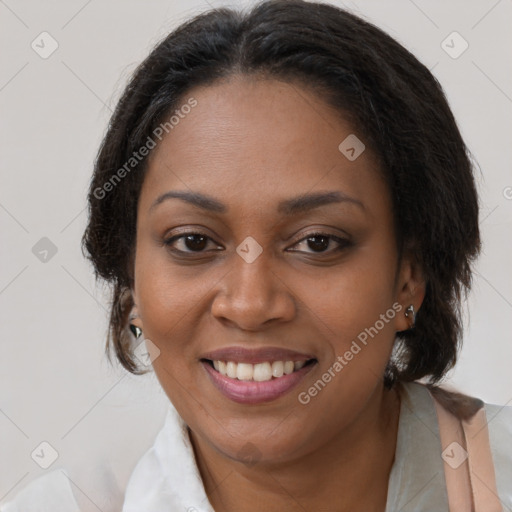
{"points": [[136, 331], [409, 312]]}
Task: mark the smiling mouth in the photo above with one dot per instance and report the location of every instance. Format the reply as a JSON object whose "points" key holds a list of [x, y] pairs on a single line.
{"points": [[259, 372]]}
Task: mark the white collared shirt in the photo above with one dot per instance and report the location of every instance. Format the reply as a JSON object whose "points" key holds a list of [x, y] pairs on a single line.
{"points": [[167, 479]]}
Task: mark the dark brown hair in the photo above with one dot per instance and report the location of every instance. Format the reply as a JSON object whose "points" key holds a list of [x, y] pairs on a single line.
{"points": [[398, 106]]}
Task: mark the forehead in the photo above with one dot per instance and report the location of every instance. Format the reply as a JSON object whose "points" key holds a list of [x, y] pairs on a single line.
{"points": [[259, 140]]}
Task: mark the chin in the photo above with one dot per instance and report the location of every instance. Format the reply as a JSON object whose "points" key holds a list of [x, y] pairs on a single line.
{"points": [[252, 445]]}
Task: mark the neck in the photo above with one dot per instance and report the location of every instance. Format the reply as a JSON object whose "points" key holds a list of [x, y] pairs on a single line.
{"points": [[349, 472]]}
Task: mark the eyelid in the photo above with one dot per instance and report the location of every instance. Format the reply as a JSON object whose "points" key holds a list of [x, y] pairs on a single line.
{"points": [[168, 240], [324, 232], [342, 240]]}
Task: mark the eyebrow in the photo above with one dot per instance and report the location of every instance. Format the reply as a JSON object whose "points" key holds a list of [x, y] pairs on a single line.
{"points": [[291, 206]]}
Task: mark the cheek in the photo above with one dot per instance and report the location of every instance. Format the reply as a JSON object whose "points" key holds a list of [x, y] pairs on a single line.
{"points": [[355, 295], [166, 299], [168, 302], [355, 315]]}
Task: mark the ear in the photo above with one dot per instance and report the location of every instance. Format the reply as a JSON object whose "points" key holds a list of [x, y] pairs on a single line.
{"points": [[410, 290], [134, 318]]}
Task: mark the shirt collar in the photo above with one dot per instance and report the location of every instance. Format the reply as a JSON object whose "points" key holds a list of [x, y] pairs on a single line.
{"points": [[167, 476]]}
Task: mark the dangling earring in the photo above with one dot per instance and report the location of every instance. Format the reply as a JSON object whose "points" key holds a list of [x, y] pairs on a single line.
{"points": [[136, 331], [410, 313]]}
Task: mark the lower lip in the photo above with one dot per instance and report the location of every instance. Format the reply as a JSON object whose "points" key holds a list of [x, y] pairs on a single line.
{"points": [[251, 392]]}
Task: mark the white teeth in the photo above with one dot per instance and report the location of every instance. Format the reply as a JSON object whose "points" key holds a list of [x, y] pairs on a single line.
{"points": [[222, 367], [298, 365], [259, 372], [244, 371], [278, 368], [231, 369], [288, 367], [262, 372]]}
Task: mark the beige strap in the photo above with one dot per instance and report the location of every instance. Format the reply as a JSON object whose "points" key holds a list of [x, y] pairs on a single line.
{"points": [[481, 465], [456, 470], [468, 464]]}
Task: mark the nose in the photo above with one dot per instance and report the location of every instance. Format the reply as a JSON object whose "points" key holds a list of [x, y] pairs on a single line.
{"points": [[253, 295]]}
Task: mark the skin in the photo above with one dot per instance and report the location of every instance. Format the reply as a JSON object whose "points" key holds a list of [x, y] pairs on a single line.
{"points": [[250, 144]]}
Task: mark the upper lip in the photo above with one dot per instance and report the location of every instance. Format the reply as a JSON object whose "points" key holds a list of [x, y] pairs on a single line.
{"points": [[255, 355]]}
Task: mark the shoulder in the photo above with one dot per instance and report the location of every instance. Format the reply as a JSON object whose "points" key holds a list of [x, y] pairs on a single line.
{"points": [[463, 406], [71, 486], [499, 424], [498, 420], [498, 417], [86, 487], [51, 491]]}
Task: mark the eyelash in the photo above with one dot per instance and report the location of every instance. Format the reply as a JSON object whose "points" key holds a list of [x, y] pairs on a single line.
{"points": [[343, 242]]}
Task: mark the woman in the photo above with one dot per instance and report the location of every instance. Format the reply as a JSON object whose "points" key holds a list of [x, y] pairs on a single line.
{"points": [[286, 211]]}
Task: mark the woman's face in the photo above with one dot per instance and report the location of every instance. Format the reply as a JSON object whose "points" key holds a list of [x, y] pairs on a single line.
{"points": [[256, 279]]}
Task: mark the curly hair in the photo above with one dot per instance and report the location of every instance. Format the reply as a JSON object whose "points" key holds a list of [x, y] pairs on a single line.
{"points": [[374, 82]]}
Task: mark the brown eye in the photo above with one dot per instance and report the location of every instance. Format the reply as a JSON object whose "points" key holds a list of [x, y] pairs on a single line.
{"points": [[190, 242], [320, 243]]}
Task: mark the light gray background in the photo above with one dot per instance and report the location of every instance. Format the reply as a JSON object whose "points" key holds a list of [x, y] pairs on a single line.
{"points": [[56, 384]]}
